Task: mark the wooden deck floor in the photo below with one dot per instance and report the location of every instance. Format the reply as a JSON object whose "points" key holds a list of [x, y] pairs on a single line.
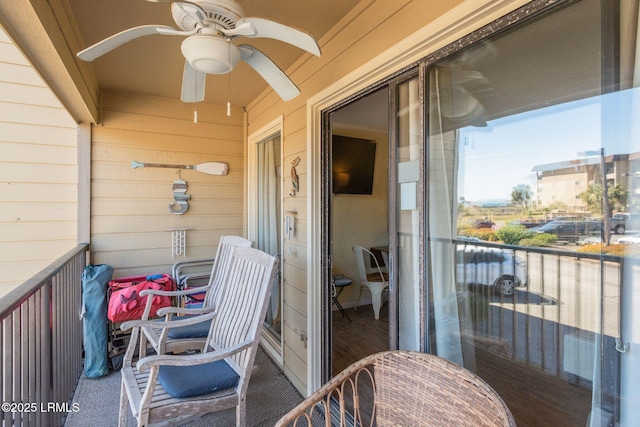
{"points": [[535, 398], [361, 337]]}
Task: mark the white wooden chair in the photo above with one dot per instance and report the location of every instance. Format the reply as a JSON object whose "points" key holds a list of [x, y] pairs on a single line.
{"points": [[373, 278], [191, 336], [170, 389]]}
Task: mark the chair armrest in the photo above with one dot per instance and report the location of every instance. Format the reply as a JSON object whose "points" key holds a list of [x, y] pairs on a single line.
{"points": [[191, 359], [189, 291], [186, 311], [152, 292], [167, 325]]}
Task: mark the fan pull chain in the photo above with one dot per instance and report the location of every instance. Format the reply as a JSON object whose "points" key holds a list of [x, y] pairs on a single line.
{"points": [[229, 81], [195, 100]]}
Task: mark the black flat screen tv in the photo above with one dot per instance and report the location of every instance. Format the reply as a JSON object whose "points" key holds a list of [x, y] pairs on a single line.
{"points": [[353, 162]]}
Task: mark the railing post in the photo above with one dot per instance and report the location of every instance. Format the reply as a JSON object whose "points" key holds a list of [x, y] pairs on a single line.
{"points": [[45, 349]]}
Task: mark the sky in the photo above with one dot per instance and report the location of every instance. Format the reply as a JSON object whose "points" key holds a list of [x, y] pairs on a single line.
{"points": [[501, 156]]}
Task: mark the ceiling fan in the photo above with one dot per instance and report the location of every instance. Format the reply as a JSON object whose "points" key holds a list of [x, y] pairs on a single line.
{"points": [[210, 27]]}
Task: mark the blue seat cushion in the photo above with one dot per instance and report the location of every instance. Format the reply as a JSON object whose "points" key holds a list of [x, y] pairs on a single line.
{"points": [[191, 381], [340, 280], [199, 330]]}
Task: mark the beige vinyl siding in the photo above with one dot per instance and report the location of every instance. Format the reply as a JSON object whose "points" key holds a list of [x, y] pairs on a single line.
{"points": [[38, 171], [369, 29], [130, 215]]}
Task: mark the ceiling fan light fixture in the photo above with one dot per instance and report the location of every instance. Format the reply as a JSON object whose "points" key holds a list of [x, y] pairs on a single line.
{"points": [[459, 103], [209, 27], [210, 54]]}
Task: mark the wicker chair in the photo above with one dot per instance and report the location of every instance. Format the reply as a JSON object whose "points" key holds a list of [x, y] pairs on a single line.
{"points": [[402, 388]]}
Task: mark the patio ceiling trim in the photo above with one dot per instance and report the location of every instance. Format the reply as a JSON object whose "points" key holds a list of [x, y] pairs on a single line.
{"points": [[47, 36]]}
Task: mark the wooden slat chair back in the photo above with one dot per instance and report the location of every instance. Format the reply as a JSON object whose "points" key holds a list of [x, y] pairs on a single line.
{"points": [[237, 320], [233, 338], [194, 337], [223, 257], [403, 388]]}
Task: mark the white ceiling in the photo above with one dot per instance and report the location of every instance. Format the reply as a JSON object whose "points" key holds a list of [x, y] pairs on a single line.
{"points": [[153, 65]]}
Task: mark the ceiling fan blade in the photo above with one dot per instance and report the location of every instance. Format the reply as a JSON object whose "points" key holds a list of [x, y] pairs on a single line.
{"points": [[193, 82], [260, 27], [269, 71], [116, 40]]}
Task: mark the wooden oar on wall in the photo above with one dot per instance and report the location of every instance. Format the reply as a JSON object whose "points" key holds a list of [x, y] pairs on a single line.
{"points": [[211, 168]]}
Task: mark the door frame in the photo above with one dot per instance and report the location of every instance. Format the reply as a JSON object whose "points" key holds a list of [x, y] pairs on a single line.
{"points": [[327, 226], [268, 341]]}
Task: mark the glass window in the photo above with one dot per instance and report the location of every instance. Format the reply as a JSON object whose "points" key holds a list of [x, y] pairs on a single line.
{"points": [[544, 313], [268, 219]]}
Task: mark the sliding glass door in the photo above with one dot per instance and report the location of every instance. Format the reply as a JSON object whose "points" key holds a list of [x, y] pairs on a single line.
{"points": [[533, 143], [266, 220]]}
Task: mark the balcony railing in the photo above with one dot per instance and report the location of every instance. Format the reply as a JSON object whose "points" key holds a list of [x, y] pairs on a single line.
{"points": [[41, 338], [570, 307]]}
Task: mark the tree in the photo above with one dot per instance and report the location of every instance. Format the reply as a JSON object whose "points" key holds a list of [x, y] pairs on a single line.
{"points": [[521, 194], [617, 197], [592, 197], [461, 202]]}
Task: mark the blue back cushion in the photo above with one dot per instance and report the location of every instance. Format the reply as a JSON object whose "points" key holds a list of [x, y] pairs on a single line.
{"points": [[199, 330], [190, 381]]}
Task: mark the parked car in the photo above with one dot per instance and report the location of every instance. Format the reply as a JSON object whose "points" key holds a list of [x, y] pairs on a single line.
{"points": [[483, 223], [529, 223], [570, 231], [468, 239], [621, 222], [590, 240], [568, 218], [490, 267], [633, 239]]}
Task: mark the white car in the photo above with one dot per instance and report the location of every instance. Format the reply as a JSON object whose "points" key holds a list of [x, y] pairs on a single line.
{"points": [[491, 267], [591, 240], [633, 239]]}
